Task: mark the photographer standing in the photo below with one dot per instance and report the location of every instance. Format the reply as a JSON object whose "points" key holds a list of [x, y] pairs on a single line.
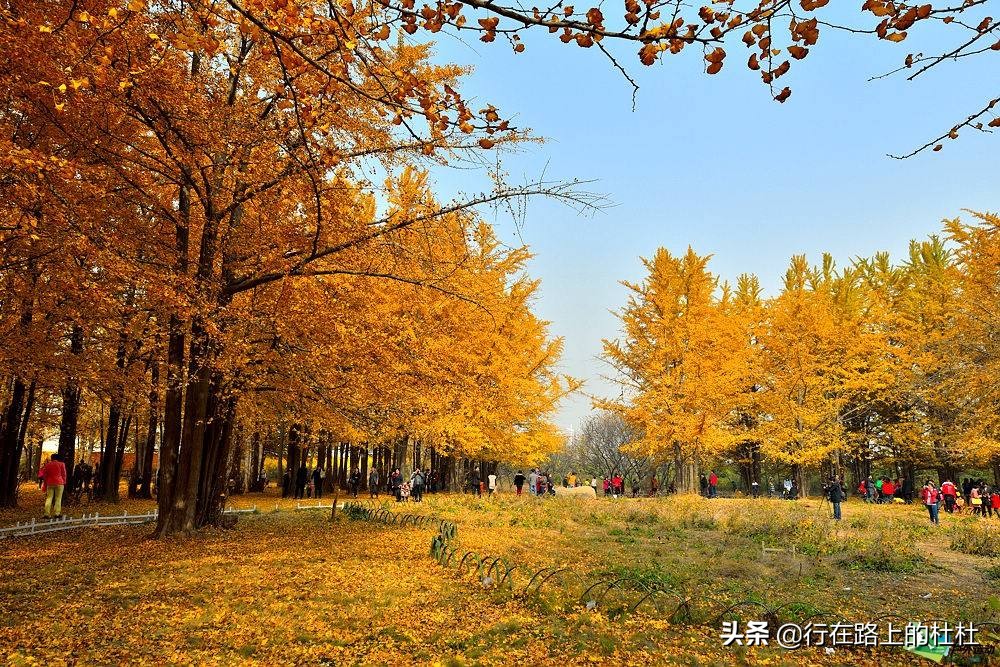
{"points": [[835, 494]]}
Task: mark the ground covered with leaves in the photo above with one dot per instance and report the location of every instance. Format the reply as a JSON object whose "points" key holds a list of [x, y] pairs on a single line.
{"points": [[294, 587]]}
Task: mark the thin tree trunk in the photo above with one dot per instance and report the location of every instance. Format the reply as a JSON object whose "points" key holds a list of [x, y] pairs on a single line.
{"points": [[70, 408]]}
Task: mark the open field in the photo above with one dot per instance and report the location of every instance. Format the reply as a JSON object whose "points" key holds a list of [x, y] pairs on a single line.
{"points": [[292, 587]]}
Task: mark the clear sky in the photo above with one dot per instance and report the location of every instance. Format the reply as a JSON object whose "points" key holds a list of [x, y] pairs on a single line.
{"points": [[714, 163]]}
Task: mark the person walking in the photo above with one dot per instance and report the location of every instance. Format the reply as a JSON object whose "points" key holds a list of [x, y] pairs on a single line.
{"points": [[491, 480], [519, 482], [703, 484], [533, 482], [355, 481], [417, 485], [713, 485], [373, 483], [976, 501], [52, 478], [949, 492], [835, 494], [301, 479], [929, 494], [395, 483]]}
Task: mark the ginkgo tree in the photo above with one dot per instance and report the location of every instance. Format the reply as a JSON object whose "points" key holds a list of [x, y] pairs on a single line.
{"points": [[681, 363]]}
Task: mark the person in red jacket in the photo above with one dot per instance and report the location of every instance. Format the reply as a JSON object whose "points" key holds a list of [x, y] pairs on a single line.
{"points": [[949, 492], [995, 502], [713, 485], [53, 478], [888, 491], [618, 485], [929, 494]]}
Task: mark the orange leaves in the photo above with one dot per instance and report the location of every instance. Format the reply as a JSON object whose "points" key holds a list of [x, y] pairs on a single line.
{"points": [[489, 26], [648, 54], [805, 31], [714, 59], [632, 10]]}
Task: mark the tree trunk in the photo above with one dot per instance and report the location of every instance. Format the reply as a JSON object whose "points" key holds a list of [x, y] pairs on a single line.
{"points": [[363, 451], [108, 483], [256, 461], [798, 474], [70, 408], [294, 455], [171, 440], [149, 448], [119, 454], [213, 484]]}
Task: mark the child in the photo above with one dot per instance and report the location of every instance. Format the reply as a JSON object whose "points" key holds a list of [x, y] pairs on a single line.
{"points": [[404, 491], [976, 500]]}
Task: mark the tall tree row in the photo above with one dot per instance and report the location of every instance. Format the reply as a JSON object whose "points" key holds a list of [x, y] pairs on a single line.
{"points": [[843, 370]]}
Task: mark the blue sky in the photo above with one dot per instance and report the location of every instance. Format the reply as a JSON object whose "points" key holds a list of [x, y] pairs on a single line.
{"points": [[714, 163]]}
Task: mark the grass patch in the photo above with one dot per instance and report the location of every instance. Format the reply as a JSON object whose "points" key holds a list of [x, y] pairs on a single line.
{"points": [[976, 537]]}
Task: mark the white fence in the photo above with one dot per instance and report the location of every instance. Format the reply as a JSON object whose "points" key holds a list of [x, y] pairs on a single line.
{"points": [[34, 527]]}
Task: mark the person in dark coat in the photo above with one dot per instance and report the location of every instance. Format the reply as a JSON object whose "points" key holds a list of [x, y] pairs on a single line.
{"points": [[396, 483], [317, 475], [355, 481], [519, 481], [417, 485], [301, 479], [835, 494]]}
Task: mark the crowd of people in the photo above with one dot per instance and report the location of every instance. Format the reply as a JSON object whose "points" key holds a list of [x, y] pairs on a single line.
{"points": [[972, 496], [309, 484], [975, 496], [539, 483]]}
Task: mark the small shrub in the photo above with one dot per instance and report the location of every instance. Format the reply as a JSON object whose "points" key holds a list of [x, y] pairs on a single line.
{"points": [[884, 554], [648, 517], [645, 578], [976, 537]]}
